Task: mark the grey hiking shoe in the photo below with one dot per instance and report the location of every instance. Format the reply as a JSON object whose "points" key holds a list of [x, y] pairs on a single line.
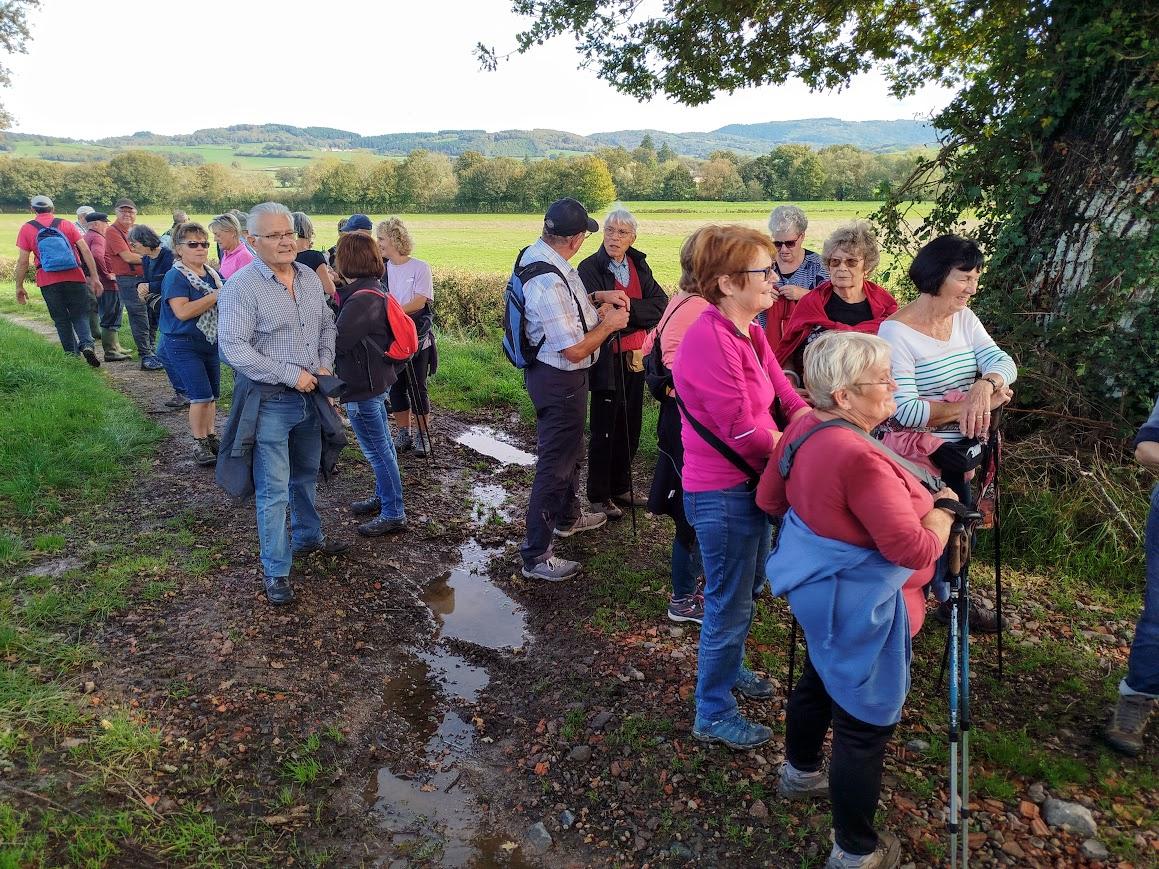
{"points": [[752, 686], [887, 855], [1128, 722], [422, 445], [586, 522], [552, 570], [203, 453], [403, 440], [796, 785], [608, 508]]}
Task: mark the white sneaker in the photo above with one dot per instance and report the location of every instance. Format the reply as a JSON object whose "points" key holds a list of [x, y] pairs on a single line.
{"points": [[586, 522], [552, 570], [887, 855]]}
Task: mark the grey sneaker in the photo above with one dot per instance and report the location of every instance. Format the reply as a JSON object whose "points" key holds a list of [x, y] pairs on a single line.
{"points": [[203, 453], [689, 608], [586, 522], [797, 785], [1128, 722], [403, 441], [552, 570], [422, 445], [887, 855]]}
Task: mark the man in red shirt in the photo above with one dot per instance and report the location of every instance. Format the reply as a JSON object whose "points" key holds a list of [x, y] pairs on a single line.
{"points": [[62, 285], [126, 266], [109, 302]]}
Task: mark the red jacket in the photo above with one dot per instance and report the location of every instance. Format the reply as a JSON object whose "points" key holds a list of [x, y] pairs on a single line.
{"points": [[810, 313]]}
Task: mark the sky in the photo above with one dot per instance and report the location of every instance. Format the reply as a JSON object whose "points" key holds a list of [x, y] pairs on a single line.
{"points": [[378, 67]]}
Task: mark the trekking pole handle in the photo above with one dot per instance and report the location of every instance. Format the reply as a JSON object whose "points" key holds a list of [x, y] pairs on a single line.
{"points": [[957, 541]]}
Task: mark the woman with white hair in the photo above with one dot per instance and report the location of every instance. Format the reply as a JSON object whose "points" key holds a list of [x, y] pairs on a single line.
{"points": [[859, 540], [799, 269], [617, 377]]}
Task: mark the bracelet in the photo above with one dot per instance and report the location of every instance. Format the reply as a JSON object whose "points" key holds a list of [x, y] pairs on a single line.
{"points": [[992, 381]]}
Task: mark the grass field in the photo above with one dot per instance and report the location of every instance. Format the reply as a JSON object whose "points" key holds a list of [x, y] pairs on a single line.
{"points": [[224, 154], [489, 242]]}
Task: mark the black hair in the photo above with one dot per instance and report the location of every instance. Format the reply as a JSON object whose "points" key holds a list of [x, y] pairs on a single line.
{"points": [[935, 260], [144, 236]]}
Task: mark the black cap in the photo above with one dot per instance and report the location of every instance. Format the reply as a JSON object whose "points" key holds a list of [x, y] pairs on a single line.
{"points": [[567, 217], [95, 217]]}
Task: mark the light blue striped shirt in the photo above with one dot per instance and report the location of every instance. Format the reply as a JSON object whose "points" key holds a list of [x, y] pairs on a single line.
{"points": [[559, 313]]}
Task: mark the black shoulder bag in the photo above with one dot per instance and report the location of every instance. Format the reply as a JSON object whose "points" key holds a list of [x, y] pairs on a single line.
{"points": [[737, 460]]}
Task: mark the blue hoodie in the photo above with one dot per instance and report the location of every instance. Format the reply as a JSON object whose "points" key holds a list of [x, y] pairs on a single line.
{"points": [[849, 604]]}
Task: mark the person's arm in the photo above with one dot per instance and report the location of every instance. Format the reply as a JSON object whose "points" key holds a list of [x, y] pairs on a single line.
{"points": [[356, 320], [326, 340], [791, 401], [647, 311], [130, 257], [175, 288], [1147, 455], [611, 319], [323, 273], [91, 264], [21, 272], [237, 320], [881, 502]]}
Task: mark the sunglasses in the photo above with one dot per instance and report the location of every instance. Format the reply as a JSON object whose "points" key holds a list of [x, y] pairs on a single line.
{"points": [[848, 262], [789, 244], [202, 244]]}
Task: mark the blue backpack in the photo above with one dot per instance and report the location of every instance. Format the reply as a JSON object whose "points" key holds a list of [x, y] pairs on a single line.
{"points": [[54, 252], [518, 347]]}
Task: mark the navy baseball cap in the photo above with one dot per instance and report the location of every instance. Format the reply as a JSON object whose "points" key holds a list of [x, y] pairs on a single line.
{"points": [[358, 222], [567, 217]]}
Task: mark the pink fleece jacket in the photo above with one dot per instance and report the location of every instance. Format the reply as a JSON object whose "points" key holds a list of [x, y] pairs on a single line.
{"points": [[727, 381]]}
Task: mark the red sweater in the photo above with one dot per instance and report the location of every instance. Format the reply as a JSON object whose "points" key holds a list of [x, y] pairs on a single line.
{"points": [[845, 489]]}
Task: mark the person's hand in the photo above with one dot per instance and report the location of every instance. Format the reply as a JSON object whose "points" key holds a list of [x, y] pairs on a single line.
{"points": [[142, 291], [97, 287], [22, 295], [974, 417], [613, 297], [613, 317], [325, 370], [1002, 396], [792, 292], [947, 493], [306, 382]]}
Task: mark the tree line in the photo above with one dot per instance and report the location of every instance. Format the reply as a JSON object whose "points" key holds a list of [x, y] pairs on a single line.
{"points": [[430, 181]]}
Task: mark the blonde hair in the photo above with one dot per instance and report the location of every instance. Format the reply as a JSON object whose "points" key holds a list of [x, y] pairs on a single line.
{"points": [[395, 231], [838, 360]]}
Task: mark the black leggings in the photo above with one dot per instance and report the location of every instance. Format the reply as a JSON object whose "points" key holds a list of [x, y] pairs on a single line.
{"points": [[400, 397], [858, 757]]}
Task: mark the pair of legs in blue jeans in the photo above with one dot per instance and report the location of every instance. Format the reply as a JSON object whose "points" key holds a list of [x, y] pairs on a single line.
{"points": [[368, 420], [734, 535], [1143, 665]]}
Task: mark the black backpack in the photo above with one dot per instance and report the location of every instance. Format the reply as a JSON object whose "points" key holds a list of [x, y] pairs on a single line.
{"points": [[657, 375]]}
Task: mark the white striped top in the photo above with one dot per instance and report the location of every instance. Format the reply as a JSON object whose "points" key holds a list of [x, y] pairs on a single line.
{"points": [[926, 369]]}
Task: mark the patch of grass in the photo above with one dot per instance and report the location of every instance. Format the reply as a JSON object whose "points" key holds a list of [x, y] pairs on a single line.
{"points": [[302, 770], [998, 787], [641, 731], [122, 742], [573, 725], [49, 543], [474, 373], [11, 548], [1018, 752]]}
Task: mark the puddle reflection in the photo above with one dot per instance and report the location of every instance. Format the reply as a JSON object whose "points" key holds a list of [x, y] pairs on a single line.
{"points": [[489, 442]]}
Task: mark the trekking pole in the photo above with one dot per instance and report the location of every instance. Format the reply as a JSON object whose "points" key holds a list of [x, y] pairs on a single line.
{"points": [[955, 564], [996, 447], [623, 388], [420, 423]]}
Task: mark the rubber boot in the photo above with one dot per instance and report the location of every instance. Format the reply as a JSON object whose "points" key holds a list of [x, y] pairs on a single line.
{"points": [[112, 347]]}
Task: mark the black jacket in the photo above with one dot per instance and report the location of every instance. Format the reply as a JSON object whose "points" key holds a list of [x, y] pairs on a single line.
{"points": [[361, 325], [645, 312]]}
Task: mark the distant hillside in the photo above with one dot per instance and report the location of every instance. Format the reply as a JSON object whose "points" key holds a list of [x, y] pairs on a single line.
{"points": [[751, 139]]}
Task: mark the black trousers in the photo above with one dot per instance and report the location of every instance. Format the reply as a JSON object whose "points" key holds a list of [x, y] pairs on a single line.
{"points": [[855, 768], [561, 402], [400, 398], [615, 435]]}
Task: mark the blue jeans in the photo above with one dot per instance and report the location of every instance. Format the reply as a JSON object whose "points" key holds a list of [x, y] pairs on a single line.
{"points": [[287, 454], [68, 305], [1143, 665], [734, 536], [170, 371], [193, 367], [138, 313], [368, 419], [686, 567]]}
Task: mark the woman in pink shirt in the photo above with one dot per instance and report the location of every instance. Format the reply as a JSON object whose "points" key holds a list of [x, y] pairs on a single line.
{"points": [[227, 233], [727, 381]]}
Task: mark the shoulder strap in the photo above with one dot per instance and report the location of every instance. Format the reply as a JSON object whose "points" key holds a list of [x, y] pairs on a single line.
{"points": [[931, 483], [660, 328], [735, 458]]}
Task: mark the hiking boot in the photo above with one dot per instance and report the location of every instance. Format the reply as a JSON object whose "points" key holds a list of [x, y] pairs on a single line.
{"points": [[887, 855], [151, 363], [116, 356], [735, 731], [366, 506], [176, 401], [214, 442], [203, 453], [278, 590], [983, 620], [552, 570], [586, 522], [403, 441], [689, 608], [1128, 722], [90, 356], [608, 508], [380, 525], [752, 686], [796, 785], [627, 499], [328, 546]]}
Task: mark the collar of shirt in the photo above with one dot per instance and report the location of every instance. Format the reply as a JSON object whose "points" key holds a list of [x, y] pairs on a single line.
{"points": [[619, 271], [545, 251]]}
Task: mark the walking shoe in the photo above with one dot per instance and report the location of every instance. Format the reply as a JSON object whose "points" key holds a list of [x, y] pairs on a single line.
{"points": [[983, 620], [90, 356], [278, 590], [366, 506], [627, 499], [203, 453], [552, 570], [735, 731], [586, 522], [403, 440], [117, 356], [1125, 731], [752, 686], [796, 785], [887, 855], [380, 525], [608, 508], [329, 546], [689, 608], [176, 401], [151, 363], [422, 445], [213, 441]]}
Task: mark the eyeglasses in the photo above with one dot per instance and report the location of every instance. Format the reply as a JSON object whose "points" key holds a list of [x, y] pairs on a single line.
{"points": [[848, 262], [765, 273], [279, 236], [789, 244], [891, 383], [618, 233], [201, 244]]}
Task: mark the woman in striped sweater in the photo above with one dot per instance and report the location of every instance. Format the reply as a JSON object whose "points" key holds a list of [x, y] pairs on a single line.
{"points": [[950, 374]]}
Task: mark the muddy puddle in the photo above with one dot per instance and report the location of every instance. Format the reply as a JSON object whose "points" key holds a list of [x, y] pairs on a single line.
{"points": [[425, 804], [486, 440]]}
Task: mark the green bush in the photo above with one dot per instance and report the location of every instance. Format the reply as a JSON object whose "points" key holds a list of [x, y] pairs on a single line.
{"points": [[468, 302]]}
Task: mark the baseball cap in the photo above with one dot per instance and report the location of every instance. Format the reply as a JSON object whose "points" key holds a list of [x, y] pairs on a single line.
{"points": [[358, 222], [40, 202], [96, 216], [567, 217], [126, 203]]}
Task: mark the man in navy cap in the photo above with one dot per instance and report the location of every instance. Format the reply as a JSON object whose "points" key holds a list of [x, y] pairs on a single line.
{"points": [[564, 322]]}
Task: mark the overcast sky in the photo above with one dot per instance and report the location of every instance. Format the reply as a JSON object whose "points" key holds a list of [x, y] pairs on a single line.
{"points": [[371, 67]]}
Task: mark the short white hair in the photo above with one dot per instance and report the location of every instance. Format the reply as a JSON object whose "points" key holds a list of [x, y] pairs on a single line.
{"points": [[267, 209], [83, 210], [622, 215], [788, 218], [838, 360]]}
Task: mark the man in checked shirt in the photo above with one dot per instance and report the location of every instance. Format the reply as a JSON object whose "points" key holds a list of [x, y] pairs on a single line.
{"points": [[276, 331]]}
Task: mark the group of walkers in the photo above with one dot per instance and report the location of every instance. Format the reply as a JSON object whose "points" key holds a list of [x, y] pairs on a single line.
{"points": [[795, 396]]}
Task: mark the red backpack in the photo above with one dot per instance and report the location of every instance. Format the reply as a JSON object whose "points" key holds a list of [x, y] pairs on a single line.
{"points": [[405, 337]]}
